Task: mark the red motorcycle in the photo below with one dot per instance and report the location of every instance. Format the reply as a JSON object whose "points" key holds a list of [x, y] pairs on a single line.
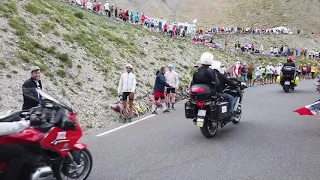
{"points": [[53, 141]]}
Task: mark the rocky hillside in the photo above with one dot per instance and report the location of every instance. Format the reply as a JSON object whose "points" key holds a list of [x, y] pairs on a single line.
{"points": [[81, 56], [294, 14]]}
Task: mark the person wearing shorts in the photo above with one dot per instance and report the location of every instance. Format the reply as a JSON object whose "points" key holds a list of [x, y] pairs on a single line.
{"points": [[259, 75], [249, 75], [173, 80], [308, 71], [277, 71], [127, 86], [159, 87], [269, 73], [304, 71], [264, 77]]}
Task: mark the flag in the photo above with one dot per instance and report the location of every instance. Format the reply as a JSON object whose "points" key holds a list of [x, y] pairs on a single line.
{"points": [[310, 109]]}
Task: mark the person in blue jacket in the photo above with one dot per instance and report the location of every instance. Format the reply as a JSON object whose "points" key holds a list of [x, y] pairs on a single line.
{"points": [[159, 88]]}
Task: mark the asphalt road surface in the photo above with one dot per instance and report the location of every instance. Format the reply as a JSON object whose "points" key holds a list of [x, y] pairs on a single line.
{"points": [[270, 142]]}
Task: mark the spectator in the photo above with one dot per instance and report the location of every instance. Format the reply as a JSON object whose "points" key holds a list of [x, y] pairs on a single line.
{"points": [[131, 17], [124, 15], [261, 49], [127, 15], [28, 89], [127, 86], [111, 10], [249, 75], [159, 87], [277, 71], [172, 79], [89, 6], [136, 18], [244, 73], [107, 8], [116, 12]]}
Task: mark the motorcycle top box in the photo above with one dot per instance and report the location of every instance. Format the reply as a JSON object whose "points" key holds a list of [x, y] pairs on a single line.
{"points": [[288, 70], [201, 92]]}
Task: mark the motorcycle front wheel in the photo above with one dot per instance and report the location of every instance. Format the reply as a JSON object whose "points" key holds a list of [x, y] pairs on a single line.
{"points": [[66, 170], [209, 129]]}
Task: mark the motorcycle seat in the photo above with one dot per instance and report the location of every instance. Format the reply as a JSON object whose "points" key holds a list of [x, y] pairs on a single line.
{"points": [[8, 116]]}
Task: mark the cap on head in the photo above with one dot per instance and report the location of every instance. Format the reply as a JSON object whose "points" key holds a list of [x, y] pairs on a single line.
{"points": [[206, 59], [129, 66], [34, 68], [170, 66]]}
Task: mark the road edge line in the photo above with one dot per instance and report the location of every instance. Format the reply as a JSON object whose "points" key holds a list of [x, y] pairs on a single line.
{"points": [[126, 125]]}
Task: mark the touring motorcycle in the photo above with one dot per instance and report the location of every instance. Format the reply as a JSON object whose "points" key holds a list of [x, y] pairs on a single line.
{"points": [[209, 110], [53, 141]]}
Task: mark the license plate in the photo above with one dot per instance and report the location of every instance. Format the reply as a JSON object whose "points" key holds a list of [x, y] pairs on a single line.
{"points": [[287, 83], [199, 122], [202, 113]]}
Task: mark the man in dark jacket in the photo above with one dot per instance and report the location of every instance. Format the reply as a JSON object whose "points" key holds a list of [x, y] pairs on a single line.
{"points": [[28, 88], [159, 87], [289, 63]]}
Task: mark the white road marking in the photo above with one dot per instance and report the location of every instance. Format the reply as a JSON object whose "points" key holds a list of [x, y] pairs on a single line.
{"points": [[129, 124]]}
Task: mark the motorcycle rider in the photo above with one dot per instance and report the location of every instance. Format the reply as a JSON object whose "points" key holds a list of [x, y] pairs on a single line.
{"points": [[206, 75], [16, 156], [224, 80], [288, 63]]}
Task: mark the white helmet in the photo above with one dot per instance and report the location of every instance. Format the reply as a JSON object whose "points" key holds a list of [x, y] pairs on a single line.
{"points": [[206, 59], [129, 66], [216, 65]]}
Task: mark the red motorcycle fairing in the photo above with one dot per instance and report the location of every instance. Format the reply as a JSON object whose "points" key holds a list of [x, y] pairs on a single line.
{"points": [[61, 140], [79, 146], [29, 135]]}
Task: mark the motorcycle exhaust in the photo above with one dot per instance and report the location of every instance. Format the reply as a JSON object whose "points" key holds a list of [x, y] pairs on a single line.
{"points": [[43, 173]]}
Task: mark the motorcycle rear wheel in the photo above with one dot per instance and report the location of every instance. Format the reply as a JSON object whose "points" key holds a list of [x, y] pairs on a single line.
{"points": [[62, 170], [209, 129], [286, 88]]}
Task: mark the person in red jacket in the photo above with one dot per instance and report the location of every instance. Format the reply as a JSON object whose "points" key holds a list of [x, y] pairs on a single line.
{"points": [[173, 31], [165, 28], [124, 15]]}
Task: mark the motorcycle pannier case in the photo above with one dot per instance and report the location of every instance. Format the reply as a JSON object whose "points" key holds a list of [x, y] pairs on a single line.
{"points": [[190, 110], [296, 82], [222, 111], [200, 92], [288, 70], [278, 79]]}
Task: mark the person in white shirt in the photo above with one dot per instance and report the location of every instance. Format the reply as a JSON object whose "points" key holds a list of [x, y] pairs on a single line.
{"points": [[269, 73], [223, 70], [127, 87], [78, 2], [172, 79], [107, 8], [272, 68], [259, 74], [89, 5], [277, 71], [261, 49]]}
